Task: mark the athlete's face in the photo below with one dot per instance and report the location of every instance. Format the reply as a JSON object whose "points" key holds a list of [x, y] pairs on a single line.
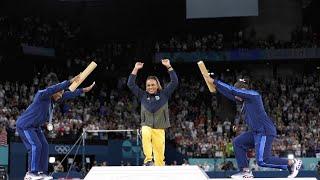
{"points": [[152, 86], [58, 95]]}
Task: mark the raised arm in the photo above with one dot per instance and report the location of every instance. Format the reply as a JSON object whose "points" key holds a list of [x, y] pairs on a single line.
{"points": [[224, 93], [49, 91], [242, 93], [230, 91], [70, 95], [173, 77], [132, 81]]}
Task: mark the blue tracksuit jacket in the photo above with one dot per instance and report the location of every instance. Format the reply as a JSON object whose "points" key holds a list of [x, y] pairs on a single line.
{"points": [[255, 114], [39, 110]]}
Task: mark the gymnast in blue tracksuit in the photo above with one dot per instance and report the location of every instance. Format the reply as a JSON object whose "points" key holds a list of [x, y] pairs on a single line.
{"points": [[37, 114], [261, 130]]}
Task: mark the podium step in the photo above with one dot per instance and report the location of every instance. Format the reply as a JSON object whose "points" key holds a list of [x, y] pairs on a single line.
{"points": [[146, 173], [156, 173]]}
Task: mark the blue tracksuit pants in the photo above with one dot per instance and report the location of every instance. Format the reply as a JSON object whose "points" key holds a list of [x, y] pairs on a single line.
{"points": [[263, 148], [38, 149]]}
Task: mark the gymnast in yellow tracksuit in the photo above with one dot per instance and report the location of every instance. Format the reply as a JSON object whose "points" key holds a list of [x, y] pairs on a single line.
{"points": [[154, 112]]}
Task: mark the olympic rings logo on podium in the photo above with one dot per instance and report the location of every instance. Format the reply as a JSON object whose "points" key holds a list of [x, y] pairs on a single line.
{"points": [[60, 149]]}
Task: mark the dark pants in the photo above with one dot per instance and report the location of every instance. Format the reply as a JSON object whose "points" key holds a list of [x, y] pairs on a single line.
{"points": [[38, 149], [263, 148]]}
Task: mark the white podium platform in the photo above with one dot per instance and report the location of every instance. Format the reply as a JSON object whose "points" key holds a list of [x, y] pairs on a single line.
{"points": [[146, 173], [156, 173]]}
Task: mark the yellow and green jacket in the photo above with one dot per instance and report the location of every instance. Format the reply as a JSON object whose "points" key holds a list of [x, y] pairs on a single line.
{"points": [[154, 107]]}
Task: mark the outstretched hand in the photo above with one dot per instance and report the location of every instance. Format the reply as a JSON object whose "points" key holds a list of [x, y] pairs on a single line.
{"points": [[87, 89]]}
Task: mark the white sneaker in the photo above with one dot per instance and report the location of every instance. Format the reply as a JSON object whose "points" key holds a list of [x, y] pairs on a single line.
{"points": [[45, 177], [31, 176], [295, 167], [243, 175]]}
